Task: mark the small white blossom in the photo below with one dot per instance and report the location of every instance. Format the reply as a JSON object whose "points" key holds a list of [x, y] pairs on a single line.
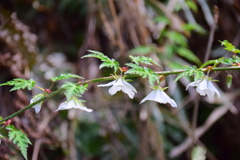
{"points": [[160, 96], [73, 103], [37, 106], [205, 86], [118, 85]]}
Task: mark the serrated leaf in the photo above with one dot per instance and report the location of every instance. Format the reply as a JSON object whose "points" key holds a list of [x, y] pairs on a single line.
{"points": [[19, 138], [144, 72], [229, 46], [19, 83], [190, 71], [73, 90], [231, 61], [143, 50], [143, 59], [107, 62], [188, 54], [198, 75], [65, 76]]}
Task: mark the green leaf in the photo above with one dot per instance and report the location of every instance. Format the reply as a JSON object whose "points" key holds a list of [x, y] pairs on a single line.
{"points": [[1, 136], [144, 72], [19, 138], [194, 27], [143, 50], [192, 5], [190, 71], [65, 76], [177, 38], [19, 83], [107, 62], [143, 59], [229, 46], [188, 54], [198, 153], [73, 90], [162, 19], [231, 61]]}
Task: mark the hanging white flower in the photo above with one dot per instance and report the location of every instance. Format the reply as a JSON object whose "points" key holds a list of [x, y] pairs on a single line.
{"points": [[73, 103], [37, 106], [118, 85], [160, 96], [205, 87]]}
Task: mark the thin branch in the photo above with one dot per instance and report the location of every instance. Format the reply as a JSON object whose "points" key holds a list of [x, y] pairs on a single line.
{"points": [[211, 36], [107, 79]]}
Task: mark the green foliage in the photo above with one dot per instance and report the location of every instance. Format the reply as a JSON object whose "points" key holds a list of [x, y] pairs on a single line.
{"points": [[190, 71], [19, 138], [192, 5], [188, 54], [194, 27], [198, 153], [65, 76], [107, 62], [143, 50], [143, 59], [229, 46], [177, 38], [162, 19], [73, 90], [144, 72], [19, 83], [231, 61]]}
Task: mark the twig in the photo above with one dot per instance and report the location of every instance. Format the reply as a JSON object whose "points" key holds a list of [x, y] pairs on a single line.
{"points": [[117, 26], [214, 116], [194, 119], [211, 36], [107, 79]]}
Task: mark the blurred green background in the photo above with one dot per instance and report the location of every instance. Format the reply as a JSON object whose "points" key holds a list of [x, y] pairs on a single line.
{"points": [[42, 39]]}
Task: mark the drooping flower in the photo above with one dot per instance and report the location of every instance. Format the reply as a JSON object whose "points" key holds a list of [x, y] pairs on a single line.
{"points": [[37, 106], [205, 87], [160, 96], [118, 85], [73, 103]]}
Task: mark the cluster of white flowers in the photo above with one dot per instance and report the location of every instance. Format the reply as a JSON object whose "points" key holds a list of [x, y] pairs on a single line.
{"points": [[157, 95], [204, 87]]}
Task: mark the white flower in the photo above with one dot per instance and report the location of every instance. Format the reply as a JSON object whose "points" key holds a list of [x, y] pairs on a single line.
{"points": [[73, 103], [204, 87], [37, 106], [118, 85], [160, 96]]}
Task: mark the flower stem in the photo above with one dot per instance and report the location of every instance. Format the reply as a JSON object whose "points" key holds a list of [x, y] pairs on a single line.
{"points": [[207, 63], [108, 79], [39, 87]]}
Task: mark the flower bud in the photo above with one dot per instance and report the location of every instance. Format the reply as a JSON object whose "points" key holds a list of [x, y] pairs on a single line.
{"points": [[48, 90], [123, 69], [229, 80], [162, 78]]}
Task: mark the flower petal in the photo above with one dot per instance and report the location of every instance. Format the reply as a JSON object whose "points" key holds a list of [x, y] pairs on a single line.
{"points": [[203, 85], [114, 89], [72, 104], [37, 107], [213, 88], [159, 96], [106, 85], [129, 86]]}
